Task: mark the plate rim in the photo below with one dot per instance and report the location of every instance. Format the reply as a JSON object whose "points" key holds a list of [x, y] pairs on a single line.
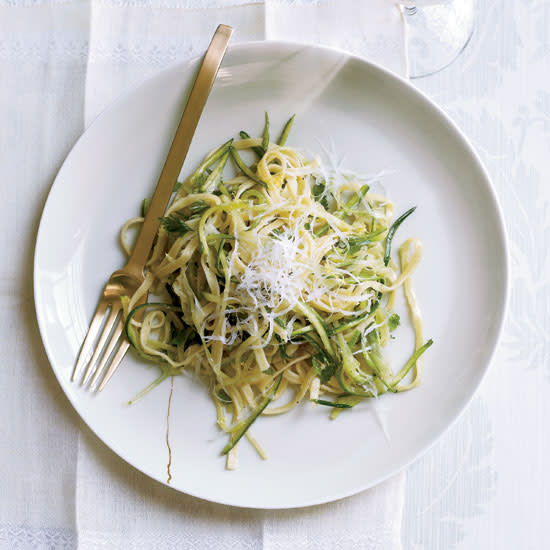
{"points": [[443, 118]]}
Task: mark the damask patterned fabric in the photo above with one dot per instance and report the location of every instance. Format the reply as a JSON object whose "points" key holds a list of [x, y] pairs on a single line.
{"points": [[485, 483]]}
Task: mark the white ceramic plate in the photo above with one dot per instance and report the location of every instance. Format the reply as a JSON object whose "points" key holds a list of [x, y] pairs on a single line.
{"points": [[378, 122]]}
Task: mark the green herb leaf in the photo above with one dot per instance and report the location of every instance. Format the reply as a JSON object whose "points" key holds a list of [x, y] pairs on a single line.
{"points": [[174, 224], [197, 208], [180, 339], [325, 370], [393, 321], [320, 194]]}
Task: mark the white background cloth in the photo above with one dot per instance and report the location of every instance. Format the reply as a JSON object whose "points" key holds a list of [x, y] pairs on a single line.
{"points": [[485, 484], [62, 64]]}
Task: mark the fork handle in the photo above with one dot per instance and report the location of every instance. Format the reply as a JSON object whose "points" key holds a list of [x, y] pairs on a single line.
{"points": [[178, 150]]}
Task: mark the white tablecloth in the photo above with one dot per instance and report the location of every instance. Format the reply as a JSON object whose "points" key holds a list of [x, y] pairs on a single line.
{"points": [[485, 484], [63, 63]]}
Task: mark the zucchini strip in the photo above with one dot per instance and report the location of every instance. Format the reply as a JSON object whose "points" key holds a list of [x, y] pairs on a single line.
{"points": [[214, 180], [244, 168], [258, 150], [199, 173], [286, 131], [242, 427], [391, 233], [333, 404], [265, 135], [410, 363]]}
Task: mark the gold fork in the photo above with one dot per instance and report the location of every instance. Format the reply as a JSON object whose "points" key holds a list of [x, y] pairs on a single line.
{"points": [[107, 327]]}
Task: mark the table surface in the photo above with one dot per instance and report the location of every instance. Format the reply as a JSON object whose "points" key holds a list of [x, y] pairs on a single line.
{"points": [[485, 483]]}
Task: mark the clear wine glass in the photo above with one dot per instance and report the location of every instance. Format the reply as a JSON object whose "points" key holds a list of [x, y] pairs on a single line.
{"points": [[437, 32]]}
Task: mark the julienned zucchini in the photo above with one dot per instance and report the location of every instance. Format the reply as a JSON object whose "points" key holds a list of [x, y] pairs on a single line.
{"points": [[199, 176], [318, 324], [350, 365], [346, 388], [409, 365], [333, 404], [245, 424], [373, 358], [391, 233]]}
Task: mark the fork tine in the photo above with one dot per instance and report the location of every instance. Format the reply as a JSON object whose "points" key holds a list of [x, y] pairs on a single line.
{"points": [[120, 353], [95, 325], [108, 352], [124, 345], [101, 343]]}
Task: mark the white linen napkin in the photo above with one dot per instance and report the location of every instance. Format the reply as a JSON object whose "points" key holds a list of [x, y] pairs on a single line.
{"points": [[118, 507], [132, 39], [43, 54]]}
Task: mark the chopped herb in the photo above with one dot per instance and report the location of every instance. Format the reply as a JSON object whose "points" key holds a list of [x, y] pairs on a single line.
{"points": [[393, 321], [197, 208], [174, 224], [325, 369], [319, 191], [180, 339]]}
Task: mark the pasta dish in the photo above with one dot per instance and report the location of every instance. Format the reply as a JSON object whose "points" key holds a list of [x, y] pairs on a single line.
{"points": [[276, 284]]}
